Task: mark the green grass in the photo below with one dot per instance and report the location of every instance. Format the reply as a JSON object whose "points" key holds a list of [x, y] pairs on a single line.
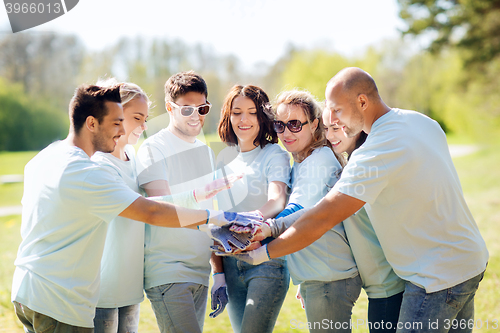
{"points": [[13, 163], [481, 184]]}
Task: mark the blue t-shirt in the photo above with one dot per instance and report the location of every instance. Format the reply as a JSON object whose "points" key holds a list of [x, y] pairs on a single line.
{"points": [[330, 257]]}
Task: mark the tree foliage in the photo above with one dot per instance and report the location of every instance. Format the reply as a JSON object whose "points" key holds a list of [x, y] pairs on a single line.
{"points": [[25, 124], [471, 25]]}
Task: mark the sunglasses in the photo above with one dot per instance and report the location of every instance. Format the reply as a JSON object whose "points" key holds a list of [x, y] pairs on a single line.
{"points": [[294, 126], [187, 111]]}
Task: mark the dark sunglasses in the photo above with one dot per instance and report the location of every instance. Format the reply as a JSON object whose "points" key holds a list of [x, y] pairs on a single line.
{"points": [[187, 111], [294, 126]]}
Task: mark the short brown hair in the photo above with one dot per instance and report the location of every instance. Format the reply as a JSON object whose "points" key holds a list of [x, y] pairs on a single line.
{"points": [[182, 83], [264, 116], [89, 100]]}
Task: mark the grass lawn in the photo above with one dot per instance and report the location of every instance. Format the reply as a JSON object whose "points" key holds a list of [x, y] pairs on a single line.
{"points": [[481, 184]]}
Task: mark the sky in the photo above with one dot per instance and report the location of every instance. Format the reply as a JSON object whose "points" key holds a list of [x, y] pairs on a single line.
{"points": [[253, 30]]}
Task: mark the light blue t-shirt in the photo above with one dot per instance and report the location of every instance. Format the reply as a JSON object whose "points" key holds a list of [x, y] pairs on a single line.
{"points": [[330, 257], [379, 279], [415, 203], [66, 203], [122, 265], [260, 166], [174, 255]]}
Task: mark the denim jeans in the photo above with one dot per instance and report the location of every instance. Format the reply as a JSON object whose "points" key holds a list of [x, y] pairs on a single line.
{"points": [[179, 307], [117, 320], [37, 322], [329, 304], [382, 311], [256, 293], [447, 310]]}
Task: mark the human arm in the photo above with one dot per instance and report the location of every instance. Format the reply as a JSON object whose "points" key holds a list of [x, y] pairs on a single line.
{"points": [[163, 214], [219, 289], [276, 199], [330, 211]]}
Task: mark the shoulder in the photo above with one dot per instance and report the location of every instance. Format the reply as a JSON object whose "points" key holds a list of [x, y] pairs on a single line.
{"points": [[322, 156], [273, 151]]}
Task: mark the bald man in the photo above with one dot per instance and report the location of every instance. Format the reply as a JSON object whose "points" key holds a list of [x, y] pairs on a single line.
{"points": [[404, 177]]}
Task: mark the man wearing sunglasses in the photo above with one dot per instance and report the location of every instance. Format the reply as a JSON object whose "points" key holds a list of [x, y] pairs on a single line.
{"points": [[172, 161]]}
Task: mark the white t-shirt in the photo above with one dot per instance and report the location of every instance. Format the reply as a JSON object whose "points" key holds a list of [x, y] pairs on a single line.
{"points": [[66, 203], [330, 257], [260, 166], [122, 265], [414, 200], [379, 279], [174, 255]]}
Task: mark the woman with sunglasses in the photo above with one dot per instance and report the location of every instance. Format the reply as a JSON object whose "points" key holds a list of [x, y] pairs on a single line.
{"points": [[326, 271], [256, 293], [383, 287]]}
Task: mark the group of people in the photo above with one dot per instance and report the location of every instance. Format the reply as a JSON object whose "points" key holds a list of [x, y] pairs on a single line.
{"points": [[371, 200]]}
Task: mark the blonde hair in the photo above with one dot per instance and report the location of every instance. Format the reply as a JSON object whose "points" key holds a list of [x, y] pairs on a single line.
{"points": [[128, 90], [312, 109]]}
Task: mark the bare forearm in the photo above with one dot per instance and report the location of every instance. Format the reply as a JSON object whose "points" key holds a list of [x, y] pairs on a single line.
{"points": [[329, 212], [164, 214]]}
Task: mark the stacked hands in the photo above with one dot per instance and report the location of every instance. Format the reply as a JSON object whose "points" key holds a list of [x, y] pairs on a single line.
{"points": [[234, 232], [239, 235]]}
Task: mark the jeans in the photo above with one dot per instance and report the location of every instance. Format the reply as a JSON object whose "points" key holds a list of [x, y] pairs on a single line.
{"points": [[117, 320], [37, 322], [382, 311], [256, 293], [441, 311], [179, 307], [329, 304]]}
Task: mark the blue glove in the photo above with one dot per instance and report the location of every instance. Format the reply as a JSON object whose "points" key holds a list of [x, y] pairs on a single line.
{"points": [[255, 257], [220, 218], [226, 237], [219, 295]]}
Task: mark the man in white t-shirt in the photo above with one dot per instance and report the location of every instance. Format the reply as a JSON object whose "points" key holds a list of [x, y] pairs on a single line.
{"points": [[173, 161], [68, 201], [404, 177]]}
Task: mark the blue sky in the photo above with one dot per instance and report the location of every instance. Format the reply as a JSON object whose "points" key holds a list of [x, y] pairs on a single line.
{"points": [[253, 30]]}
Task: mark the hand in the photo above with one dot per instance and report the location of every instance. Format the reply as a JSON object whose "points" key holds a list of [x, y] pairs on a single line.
{"points": [[226, 237], [220, 218], [219, 295], [262, 232], [299, 297], [218, 185], [255, 257]]}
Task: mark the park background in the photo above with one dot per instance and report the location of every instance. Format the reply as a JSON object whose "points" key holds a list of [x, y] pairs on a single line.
{"points": [[438, 57]]}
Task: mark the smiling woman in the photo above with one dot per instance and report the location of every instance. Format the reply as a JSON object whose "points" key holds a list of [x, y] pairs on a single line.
{"points": [[120, 298]]}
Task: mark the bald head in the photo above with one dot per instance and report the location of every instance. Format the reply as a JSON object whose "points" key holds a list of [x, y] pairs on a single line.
{"points": [[354, 81]]}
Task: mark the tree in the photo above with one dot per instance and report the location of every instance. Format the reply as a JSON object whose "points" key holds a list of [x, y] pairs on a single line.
{"points": [[470, 25]]}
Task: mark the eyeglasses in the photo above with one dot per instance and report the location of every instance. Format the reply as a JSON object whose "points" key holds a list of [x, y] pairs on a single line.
{"points": [[294, 126], [187, 111]]}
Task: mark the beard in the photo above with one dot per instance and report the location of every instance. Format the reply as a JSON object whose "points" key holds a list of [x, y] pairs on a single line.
{"points": [[102, 143]]}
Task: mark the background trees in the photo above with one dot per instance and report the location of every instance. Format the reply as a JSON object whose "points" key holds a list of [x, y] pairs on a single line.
{"points": [[457, 83]]}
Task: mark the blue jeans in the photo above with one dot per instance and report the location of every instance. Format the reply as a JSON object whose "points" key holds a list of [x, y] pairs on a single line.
{"points": [[37, 322], [117, 320], [329, 304], [382, 311], [179, 307], [256, 293], [447, 310]]}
